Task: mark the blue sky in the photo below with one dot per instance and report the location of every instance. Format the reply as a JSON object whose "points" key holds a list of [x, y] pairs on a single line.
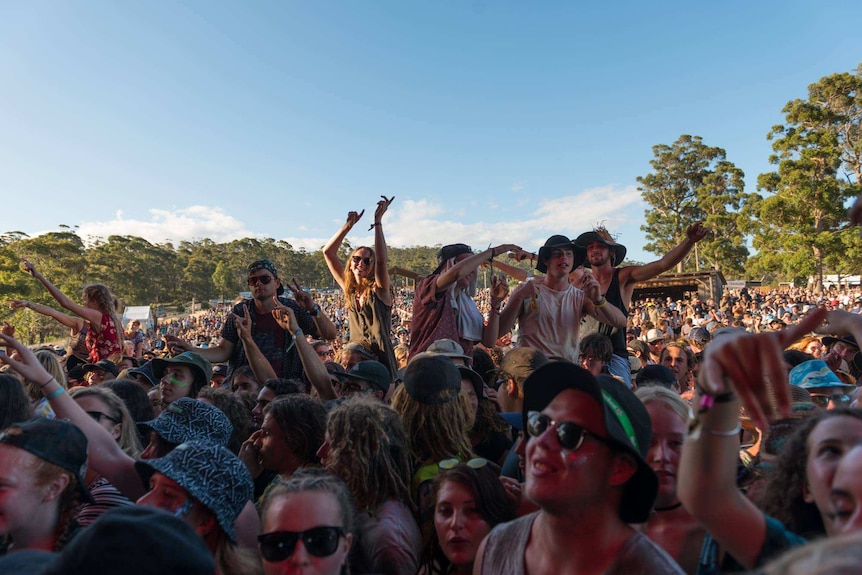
{"points": [[491, 122]]}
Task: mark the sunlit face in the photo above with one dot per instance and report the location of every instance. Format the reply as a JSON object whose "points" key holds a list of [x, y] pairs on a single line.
{"points": [[459, 525], [362, 263], [560, 262], [470, 391], [21, 500], [827, 444], [97, 376], [591, 363], [668, 435], [598, 254], [844, 350], [847, 493], [176, 382], [299, 512], [555, 475], [263, 291], [814, 348], [676, 359]]}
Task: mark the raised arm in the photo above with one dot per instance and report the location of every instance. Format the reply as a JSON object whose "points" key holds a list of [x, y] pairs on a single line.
{"points": [[76, 324], [105, 456], [260, 366], [522, 293], [314, 369], [330, 250], [93, 316], [381, 271], [468, 265], [693, 234], [215, 354], [499, 291], [737, 369], [325, 327]]}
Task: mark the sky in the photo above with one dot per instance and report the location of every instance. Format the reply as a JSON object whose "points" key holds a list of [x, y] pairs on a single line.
{"points": [[490, 122]]}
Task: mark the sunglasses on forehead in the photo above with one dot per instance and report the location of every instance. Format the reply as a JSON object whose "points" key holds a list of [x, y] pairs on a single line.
{"points": [[254, 280], [570, 434], [319, 541], [357, 259]]}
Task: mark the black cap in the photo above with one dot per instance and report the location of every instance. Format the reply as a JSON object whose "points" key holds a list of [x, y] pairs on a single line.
{"points": [[105, 364], [432, 379]]}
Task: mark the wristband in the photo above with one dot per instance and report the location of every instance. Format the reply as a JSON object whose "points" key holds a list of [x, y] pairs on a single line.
{"points": [[729, 433], [298, 332], [602, 302], [55, 394]]}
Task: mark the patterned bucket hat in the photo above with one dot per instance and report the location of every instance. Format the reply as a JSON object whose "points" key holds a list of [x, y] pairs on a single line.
{"points": [[188, 420]]}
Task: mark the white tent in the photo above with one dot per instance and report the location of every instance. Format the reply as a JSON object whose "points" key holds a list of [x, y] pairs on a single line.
{"points": [[142, 313]]}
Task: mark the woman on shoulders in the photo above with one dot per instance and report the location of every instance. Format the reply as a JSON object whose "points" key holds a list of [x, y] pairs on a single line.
{"points": [[365, 283]]}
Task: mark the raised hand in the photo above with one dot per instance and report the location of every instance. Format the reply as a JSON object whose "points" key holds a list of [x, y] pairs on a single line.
{"points": [[749, 364], [243, 324], [174, 343], [499, 290], [840, 322], [353, 217], [503, 248], [382, 206], [303, 298], [285, 317], [696, 232], [18, 303], [28, 267]]}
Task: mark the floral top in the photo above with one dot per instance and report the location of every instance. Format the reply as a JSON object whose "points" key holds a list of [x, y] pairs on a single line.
{"points": [[104, 343]]}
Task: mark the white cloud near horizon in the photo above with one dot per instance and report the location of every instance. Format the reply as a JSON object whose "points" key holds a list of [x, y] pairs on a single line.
{"points": [[426, 222]]}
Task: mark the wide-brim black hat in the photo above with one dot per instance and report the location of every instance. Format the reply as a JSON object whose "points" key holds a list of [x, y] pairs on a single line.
{"points": [[603, 237], [627, 425], [849, 340], [448, 252], [556, 242]]}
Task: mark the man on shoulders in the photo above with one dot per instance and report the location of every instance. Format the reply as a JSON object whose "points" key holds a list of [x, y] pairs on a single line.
{"points": [[549, 309], [275, 342], [618, 284]]}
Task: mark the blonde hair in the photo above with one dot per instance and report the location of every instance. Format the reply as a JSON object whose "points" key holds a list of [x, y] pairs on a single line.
{"points": [[839, 555], [51, 363], [658, 394], [128, 440], [435, 432], [364, 285]]}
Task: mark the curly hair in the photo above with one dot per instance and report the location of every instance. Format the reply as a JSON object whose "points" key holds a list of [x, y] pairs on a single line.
{"points": [[784, 497], [302, 420], [352, 288], [368, 451], [435, 432], [235, 410], [492, 503], [128, 440]]}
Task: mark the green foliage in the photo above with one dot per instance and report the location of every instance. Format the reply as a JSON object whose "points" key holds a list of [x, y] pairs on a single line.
{"points": [[693, 182], [799, 222]]}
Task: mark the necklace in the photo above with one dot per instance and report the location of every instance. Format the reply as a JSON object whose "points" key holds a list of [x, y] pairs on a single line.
{"points": [[676, 505]]}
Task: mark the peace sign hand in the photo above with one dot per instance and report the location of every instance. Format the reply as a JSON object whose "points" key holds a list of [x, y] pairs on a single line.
{"points": [[303, 298]]}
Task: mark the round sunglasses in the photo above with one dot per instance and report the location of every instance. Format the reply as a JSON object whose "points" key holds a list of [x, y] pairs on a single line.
{"points": [[319, 541], [570, 434]]}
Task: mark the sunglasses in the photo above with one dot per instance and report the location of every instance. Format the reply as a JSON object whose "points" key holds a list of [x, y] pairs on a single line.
{"points": [[839, 400], [319, 541], [254, 280], [329, 353], [570, 434], [357, 259], [98, 415], [475, 463]]}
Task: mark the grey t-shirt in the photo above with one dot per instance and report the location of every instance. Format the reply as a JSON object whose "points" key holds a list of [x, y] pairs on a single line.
{"points": [[507, 544]]}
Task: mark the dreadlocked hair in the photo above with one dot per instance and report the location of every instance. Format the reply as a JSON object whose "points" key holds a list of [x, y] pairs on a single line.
{"points": [[435, 432], [67, 501], [364, 286], [784, 496], [368, 450]]}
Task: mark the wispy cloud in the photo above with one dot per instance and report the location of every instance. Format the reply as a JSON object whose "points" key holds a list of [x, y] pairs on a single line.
{"points": [[408, 223]]}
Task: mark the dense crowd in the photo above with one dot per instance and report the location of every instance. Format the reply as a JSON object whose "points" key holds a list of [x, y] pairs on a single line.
{"points": [[557, 427]]}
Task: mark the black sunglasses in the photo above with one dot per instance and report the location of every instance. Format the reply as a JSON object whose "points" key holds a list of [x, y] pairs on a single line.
{"points": [[98, 415], [570, 434], [357, 259], [319, 541], [326, 353], [253, 281], [840, 400]]}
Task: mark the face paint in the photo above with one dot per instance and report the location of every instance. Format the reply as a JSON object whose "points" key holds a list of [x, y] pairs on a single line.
{"points": [[177, 382]]}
